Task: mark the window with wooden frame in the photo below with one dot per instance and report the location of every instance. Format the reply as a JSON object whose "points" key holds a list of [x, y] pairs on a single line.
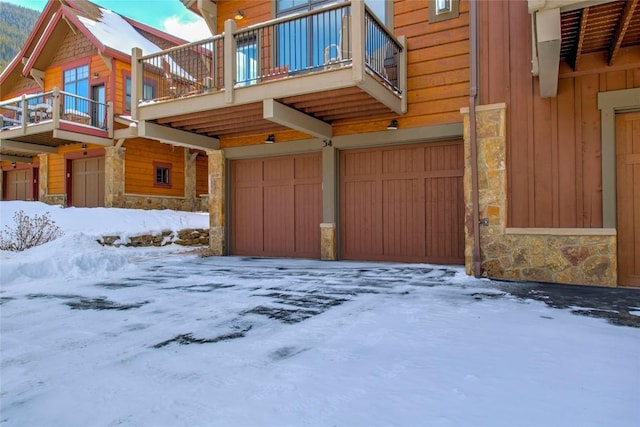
{"points": [[162, 174], [441, 10], [148, 90]]}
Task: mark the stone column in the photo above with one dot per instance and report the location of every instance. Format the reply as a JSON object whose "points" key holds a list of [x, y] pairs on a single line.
{"points": [[190, 178], [492, 177], [217, 188], [328, 249], [43, 177], [114, 177]]}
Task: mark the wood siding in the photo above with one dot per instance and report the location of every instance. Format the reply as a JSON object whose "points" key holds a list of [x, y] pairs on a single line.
{"points": [[87, 178], [276, 206], [202, 174], [139, 178], [403, 203], [553, 145]]}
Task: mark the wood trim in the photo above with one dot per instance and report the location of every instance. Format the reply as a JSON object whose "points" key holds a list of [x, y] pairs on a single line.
{"points": [[562, 231], [609, 103]]}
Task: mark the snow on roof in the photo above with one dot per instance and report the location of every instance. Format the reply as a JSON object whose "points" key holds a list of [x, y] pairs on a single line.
{"points": [[115, 32]]}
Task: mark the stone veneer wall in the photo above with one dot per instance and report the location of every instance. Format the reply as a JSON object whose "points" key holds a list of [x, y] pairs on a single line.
{"points": [[572, 256], [136, 201]]}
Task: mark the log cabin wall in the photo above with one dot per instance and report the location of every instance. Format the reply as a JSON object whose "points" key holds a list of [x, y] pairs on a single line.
{"points": [[553, 148]]}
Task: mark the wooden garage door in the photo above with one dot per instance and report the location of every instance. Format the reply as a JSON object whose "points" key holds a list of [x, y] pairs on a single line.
{"points": [[628, 198], [18, 185], [276, 206], [87, 182], [403, 203]]}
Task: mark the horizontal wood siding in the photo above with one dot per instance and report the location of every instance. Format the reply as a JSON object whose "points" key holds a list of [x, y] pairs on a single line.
{"points": [[139, 178], [202, 174], [553, 158]]}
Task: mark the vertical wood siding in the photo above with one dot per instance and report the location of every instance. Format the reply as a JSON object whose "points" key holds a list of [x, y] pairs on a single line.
{"points": [[553, 145]]}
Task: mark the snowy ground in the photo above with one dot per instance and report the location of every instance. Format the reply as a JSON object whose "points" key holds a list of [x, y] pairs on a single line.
{"points": [[96, 336]]}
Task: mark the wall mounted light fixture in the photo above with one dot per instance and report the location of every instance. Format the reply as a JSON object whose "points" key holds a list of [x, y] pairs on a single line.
{"points": [[239, 15], [270, 139], [393, 125], [13, 165]]}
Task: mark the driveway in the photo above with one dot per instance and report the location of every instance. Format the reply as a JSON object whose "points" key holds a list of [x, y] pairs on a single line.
{"points": [[184, 340]]}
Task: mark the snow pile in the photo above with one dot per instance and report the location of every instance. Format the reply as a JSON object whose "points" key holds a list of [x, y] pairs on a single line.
{"points": [[77, 253]]}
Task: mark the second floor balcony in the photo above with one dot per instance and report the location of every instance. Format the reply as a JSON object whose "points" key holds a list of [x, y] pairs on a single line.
{"points": [[40, 123], [304, 72]]}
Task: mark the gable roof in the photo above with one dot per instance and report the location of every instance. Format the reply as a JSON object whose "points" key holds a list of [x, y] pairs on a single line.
{"points": [[112, 34]]}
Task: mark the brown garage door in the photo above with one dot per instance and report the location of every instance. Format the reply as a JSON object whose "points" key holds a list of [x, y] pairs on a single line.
{"points": [[628, 198], [87, 182], [403, 203], [18, 185], [276, 206]]}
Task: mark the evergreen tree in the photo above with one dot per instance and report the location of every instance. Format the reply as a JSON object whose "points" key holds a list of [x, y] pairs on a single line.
{"points": [[16, 23]]}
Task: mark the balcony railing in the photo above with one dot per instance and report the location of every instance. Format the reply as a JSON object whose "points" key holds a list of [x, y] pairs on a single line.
{"points": [[54, 106], [315, 41]]}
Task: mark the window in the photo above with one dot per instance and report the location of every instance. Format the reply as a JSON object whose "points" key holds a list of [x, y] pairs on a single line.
{"points": [[441, 10], [162, 172], [76, 82], [147, 92]]}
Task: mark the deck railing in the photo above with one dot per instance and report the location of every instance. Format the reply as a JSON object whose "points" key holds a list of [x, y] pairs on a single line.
{"points": [[314, 41], [54, 106]]}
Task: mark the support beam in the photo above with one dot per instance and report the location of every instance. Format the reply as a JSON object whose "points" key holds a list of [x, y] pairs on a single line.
{"points": [[177, 137], [548, 44], [107, 61], [584, 18], [25, 147], [629, 7], [209, 12], [38, 76], [294, 119], [17, 159], [79, 137]]}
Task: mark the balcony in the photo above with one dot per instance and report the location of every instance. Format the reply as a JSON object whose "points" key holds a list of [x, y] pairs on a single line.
{"points": [[40, 123], [305, 72]]}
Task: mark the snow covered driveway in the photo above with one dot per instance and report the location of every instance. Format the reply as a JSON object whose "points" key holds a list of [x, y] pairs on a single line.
{"points": [[186, 341]]}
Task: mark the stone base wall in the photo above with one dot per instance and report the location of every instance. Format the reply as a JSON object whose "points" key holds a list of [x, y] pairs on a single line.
{"points": [[133, 201], [572, 259], [187, 237], [571, 256], [54, 199]]}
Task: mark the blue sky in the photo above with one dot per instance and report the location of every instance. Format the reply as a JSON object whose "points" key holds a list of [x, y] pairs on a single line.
{"points": [[167, 15]]}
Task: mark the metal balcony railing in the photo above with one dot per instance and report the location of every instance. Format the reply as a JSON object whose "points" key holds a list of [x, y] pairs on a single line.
{"points": [[315, 41], [54, 106]]}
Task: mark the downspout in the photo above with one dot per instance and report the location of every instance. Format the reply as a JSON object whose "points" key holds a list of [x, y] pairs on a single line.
{"points": [[473, 93]]}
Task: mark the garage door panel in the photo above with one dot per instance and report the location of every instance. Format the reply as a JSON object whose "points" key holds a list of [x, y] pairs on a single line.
{"points": [[247, 221], [403, 203], [278, 220], [18, 184], [362, 218], [308, 208], [283, 209], [87, 182], [403, 217]]}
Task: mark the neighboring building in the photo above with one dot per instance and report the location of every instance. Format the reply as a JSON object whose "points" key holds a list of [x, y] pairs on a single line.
{"points": [[66, 135], [558, 137], [337, 125]]}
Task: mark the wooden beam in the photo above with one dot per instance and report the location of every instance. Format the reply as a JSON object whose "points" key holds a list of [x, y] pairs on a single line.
{"points": [[176, 137], [209, 12], [294, 119], [548, 44], [584, 17], [38, 76], [80, 137], [18, 159], [25, 147], [621, 30]]}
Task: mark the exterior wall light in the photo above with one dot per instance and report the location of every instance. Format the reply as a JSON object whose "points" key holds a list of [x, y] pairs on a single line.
{"points": [[270, 139], [239, 15], [393, 125]]}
